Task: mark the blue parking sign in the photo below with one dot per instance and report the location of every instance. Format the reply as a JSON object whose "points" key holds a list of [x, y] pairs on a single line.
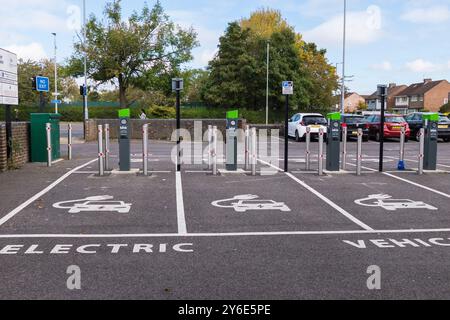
{"points": [[42, 84]]}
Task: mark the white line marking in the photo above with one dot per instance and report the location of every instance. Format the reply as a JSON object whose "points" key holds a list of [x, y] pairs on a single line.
{"points": [[410, 182], [231, 234], [323, 198], [40, 194], [180, 206]]}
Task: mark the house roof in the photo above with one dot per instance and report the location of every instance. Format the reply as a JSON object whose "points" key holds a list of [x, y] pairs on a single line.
{"points": [[419, 88], [393, 91]]}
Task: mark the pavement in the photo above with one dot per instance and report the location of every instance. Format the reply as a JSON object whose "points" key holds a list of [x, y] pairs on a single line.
{"points": [[192, 235]]}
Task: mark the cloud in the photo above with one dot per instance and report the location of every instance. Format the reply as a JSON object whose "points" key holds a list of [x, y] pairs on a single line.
{"points": [[420, 65], [384, 66], [436, 14], [363, 27], [33, 51]]}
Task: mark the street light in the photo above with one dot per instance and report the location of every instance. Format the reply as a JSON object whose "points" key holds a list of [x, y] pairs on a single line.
{"points": [[56, 76], [85, 97], [267, 83], [343, 59]]}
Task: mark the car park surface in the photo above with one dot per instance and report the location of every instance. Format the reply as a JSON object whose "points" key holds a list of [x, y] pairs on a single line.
{"points": [[192, 235]]}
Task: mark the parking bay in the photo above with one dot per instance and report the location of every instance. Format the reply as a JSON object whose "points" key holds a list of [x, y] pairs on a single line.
{"points": [[151, 202], [261, 213], [407, 207]]}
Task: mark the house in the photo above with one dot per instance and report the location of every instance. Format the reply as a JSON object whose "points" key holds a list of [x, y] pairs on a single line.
{"points": [[427, 95], [374, 102], [352, 102]]}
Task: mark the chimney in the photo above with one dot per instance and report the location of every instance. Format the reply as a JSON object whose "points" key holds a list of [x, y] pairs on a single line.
{"points": [[427, 80], [392, 85]]}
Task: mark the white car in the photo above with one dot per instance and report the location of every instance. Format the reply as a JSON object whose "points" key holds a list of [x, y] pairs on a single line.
{"points": [[299, 122], [245, 205], [101, 206]]}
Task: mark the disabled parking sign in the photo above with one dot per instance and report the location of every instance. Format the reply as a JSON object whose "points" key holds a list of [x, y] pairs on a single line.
{"points": [[288, 87]]}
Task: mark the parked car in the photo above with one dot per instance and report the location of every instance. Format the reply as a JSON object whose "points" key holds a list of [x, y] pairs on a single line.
{"points": [[415, 122], [392, 127], [354, 122], [299, 122]]}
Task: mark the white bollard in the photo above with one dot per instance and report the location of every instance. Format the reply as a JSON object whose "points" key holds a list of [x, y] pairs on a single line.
{"points": [[214, 150], [101, 169], [421, 151], [308, 149], [69, 142], [145, 149], [254, 151], [344, 147], [210, 134], [321, 156], [107, 147], [247, 147], [48, 131], [359, 153]]}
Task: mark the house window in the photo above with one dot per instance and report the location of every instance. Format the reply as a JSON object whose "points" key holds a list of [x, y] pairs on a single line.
{"points": [[445, 100], [414, 99], [420, 98]]}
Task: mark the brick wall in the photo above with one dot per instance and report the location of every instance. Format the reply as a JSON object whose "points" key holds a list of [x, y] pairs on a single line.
{"points": [[20, 145], [158, 129], [434, 99]]}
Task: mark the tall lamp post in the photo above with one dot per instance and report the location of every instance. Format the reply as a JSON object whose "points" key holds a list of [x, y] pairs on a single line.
{"points": [[267, 83], [343, 59], [85, 97], [56, 75]]}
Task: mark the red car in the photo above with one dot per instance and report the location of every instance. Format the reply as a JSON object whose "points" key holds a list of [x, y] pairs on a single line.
{"points": [[392, 128]]}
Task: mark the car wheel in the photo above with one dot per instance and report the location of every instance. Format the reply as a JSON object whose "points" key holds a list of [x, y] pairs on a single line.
{"points": [[418, 136], [297, 137], [377, 137]]}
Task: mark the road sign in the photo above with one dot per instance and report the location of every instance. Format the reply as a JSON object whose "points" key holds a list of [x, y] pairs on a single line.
{"points": [[42, 84], [288, 88], [9, 92], [177, 84]]}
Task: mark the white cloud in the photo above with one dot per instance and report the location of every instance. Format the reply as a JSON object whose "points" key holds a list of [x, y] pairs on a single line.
{"points": [[436, 14], [421, 65], [33, 51], [363, 27], [384, 66]]}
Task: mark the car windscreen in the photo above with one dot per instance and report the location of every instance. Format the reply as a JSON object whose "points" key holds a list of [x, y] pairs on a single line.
{"points": [[444, 119], [395, 119], [312, 120], [354, 120]]}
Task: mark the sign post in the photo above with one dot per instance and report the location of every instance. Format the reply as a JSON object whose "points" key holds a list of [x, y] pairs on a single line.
{"points": [[9, 92], [288, 90], [382, 93], [177, 86]]}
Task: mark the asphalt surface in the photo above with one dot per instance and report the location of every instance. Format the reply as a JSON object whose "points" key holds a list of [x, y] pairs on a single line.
{"points": [[177, 242]]}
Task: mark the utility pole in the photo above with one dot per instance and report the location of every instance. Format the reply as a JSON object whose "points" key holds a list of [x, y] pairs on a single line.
{"points": [[56, 76], [85, 97], [267, 83], [343, 59]]}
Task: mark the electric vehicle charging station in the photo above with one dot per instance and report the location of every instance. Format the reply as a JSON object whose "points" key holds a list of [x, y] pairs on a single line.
{"points": [[232, 140], [431, 141], [333, 142], [124, 140]]}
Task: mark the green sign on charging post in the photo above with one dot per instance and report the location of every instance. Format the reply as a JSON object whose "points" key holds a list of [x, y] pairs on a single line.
{"points": [[232, 127], [124, 140]]}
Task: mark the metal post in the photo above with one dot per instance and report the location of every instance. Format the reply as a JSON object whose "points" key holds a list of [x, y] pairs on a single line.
{"points": [[69, 142], [401, 161], [359, 153], [85, 97], [267, 83], [101, 169], [8, 119], [343, 59], [214, 151], [286, 136], [421, 151], [382, 124], [247, 147], [344, 147], [308, 149], [254, 151], [107, 146], [321, 157], [178, 112], [48, 130], [145, 149], [210, 134]]}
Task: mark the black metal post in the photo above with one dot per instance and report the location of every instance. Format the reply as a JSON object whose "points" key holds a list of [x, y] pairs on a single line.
{"points": [[8, 117], [84, 115], [382, 123], [41, 102], [286, 136], [178, 132]]}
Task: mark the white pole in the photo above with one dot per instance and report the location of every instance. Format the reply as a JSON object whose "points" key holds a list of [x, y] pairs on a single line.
{"points": [[214, 151], [69, 142], [359, 153], [344, 147], [321, 157], [210, 137], [107, 147], [48, 129], [343, 59], [101, 169], [254, 148], [86, 111], [267, 84], [421, 151], [56, 75], [247, 147], [308, 149], [145, 149]]}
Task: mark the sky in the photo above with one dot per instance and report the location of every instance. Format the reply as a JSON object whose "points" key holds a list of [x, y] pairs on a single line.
{"points": [[395, 41]]}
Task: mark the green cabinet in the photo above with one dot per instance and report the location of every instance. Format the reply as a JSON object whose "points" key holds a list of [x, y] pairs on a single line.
{"points": [[39, 136]]}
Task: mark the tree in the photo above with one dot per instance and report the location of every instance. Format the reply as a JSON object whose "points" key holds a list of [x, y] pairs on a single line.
{"points": [[133, 53]]}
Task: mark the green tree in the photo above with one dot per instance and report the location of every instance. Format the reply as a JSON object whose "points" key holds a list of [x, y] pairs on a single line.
{"points": [[136, 52]]}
